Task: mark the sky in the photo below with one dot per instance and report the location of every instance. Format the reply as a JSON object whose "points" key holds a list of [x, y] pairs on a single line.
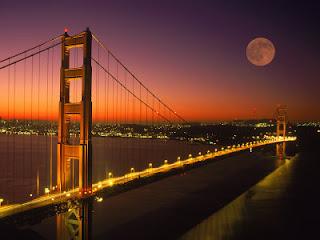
{"points": [[192, 53]]}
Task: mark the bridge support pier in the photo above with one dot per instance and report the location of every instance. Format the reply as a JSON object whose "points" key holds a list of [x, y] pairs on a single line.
{"points": [[66, 150]]}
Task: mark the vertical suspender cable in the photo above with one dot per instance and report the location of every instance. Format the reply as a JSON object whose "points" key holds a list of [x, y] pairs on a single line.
{"points": [[97, 88], [113, 122], [47, 117], [8, 132], [14, 130], [108, 67], [24, 117], [117, 94], [117, 114], [120, 121], [97, 97], [31, 127], [126, 117], [51, 123], [140, 122], [107, 102], [76, 85], [153, 127], [105, 123], [146, 126], [39, 142], [133, 122]]}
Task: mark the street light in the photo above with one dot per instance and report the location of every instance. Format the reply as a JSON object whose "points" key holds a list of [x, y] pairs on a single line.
{"points": [[99, 199], [1, 201], [110, 182], [46, 190]]}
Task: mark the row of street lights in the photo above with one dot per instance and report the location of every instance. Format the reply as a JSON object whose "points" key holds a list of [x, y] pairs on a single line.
{"points": [[150, 165]]}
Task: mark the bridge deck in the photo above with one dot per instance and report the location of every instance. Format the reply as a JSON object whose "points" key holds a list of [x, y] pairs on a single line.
{"points": [[56, 198]]}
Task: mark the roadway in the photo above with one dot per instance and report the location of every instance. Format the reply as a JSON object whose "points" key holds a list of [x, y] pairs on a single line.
{"points": [[56, 198]]}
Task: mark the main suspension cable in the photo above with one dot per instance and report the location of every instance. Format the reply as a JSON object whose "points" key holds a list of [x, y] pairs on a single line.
{"points": [[147, 89], [29, 56], [30, 49], [115, 79]]}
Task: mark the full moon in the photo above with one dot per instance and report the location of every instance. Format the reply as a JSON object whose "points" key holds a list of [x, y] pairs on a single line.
{"points": [[260, 51]]}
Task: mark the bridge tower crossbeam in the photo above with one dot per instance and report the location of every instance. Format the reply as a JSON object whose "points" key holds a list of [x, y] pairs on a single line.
{"points": [[66, 151]]}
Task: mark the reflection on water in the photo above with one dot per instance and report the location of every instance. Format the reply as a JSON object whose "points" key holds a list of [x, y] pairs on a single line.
{"points": [[258, 202], [281, 150], [76, 222]]}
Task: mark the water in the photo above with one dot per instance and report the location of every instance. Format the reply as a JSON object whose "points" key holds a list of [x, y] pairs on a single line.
{"points": [[160, 210], [284, 205], [250, 213], [25, 160], [249, 196]]}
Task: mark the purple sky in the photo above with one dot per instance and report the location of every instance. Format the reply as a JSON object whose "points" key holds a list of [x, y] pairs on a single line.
{"points": [[192, 53]]}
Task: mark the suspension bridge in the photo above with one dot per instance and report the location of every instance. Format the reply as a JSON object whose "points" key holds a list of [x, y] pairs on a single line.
{"points": [[75, 121]]}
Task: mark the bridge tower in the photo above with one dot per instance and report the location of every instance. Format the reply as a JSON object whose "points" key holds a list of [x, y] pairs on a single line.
{"points": [[281, 118], [66, 151]]}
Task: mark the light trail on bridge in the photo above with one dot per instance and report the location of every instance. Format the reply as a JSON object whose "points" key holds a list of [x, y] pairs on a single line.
{"points": [[57, 198]]}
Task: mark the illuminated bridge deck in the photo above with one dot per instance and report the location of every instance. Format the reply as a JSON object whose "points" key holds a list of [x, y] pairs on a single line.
{"points": [[57, 198]]}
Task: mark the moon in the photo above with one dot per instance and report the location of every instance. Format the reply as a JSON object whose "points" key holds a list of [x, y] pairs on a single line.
{"points": [[260, 51]]}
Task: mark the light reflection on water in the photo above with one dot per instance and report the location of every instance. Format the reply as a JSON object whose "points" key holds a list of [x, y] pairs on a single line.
{"points": [[76, 222], [256, 204]]}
